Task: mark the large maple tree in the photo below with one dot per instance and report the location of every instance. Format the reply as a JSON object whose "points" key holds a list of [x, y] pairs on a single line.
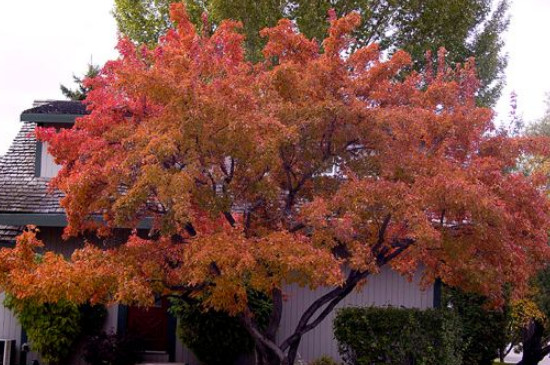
{"points": [[314, 167]]}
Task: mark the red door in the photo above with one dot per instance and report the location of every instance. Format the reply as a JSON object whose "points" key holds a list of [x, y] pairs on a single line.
{"points": [[150, 325]]}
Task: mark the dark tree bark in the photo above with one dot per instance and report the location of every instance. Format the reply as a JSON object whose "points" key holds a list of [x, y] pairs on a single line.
{"points": [[532, 344]]}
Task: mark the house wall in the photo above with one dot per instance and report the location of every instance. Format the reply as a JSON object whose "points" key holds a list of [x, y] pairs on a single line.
{"points": [[9, 327]]}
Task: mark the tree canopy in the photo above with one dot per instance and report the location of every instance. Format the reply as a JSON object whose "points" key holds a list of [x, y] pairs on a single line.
{"points": [[310, 167], [465, 28]]}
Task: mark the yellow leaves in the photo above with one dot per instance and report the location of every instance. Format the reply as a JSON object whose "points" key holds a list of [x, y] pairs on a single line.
{"points": [[524, 311]]}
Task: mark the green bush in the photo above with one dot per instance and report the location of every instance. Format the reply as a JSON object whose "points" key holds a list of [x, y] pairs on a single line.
{"points": [[324, 360], [92, 318], [398, 336], [52, 328], [215, 337], [484, 331]]}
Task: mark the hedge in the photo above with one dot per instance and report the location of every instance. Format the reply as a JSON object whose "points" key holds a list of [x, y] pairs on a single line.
{"points": [[398, 336]]}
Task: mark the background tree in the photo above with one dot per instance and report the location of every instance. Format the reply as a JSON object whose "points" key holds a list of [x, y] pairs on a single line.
{"points": [[485, 329], [531, 320], [143, 21], [229, 160], [82, 90], [541, 127], [465, 28]]}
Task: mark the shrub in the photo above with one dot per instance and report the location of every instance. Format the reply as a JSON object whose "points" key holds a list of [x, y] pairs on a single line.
{"points": [[52, 328], [484, 331], [370, 336], [215, 337], [112, 349], [324, 360], [92, 318]]}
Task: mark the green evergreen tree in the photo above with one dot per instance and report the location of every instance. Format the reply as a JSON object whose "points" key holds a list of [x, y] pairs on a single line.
{"points": [[81, 91]]}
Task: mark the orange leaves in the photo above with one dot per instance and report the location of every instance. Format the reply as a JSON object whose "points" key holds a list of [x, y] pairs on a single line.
{"points": [[51, 277], [340, 30], [179, 15], [288, 45], [287, 171], [231, 263]]}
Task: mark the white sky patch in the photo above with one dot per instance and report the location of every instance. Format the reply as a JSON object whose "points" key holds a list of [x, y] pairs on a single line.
{"points": [[528, 72], [43, 43]]}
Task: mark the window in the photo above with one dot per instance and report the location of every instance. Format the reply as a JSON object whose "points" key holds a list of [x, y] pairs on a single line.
{"points": [[45, 164]]}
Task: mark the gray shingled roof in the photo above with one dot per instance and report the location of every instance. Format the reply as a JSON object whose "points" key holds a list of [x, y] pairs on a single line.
{"points": [[8, 234], [58, 107], [20, 190]]}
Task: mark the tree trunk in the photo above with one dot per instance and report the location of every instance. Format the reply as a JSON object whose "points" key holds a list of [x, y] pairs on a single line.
{"points": [[267, 357], [293, 351], [285, 353], [532, 344]]}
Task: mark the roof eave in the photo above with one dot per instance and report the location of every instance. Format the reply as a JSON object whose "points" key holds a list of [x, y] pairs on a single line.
{"points": [[44, 220], [49, 118], [50, 220]]}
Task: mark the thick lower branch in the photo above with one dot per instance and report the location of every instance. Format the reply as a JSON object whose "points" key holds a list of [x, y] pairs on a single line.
{"points": [[276, 313], [330, 307], [260, 338], [333, 295], [330, 300]]}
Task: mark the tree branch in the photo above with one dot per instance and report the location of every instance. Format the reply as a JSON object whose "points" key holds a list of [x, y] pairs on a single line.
{"points": [[335, 296], [276, 313], [381, 234], [350, 283], [246, 320], [229, 217]]}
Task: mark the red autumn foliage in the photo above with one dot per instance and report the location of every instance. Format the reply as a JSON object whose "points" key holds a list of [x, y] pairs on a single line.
{"points": [[231, 159]]}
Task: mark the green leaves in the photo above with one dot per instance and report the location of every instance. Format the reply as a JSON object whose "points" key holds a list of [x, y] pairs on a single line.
{"points": [[396, 336], [82, 89], [466, 28], [52, 328]]}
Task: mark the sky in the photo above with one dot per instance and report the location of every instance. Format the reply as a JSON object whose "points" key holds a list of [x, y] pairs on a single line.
{"points": [[43, 43]]}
